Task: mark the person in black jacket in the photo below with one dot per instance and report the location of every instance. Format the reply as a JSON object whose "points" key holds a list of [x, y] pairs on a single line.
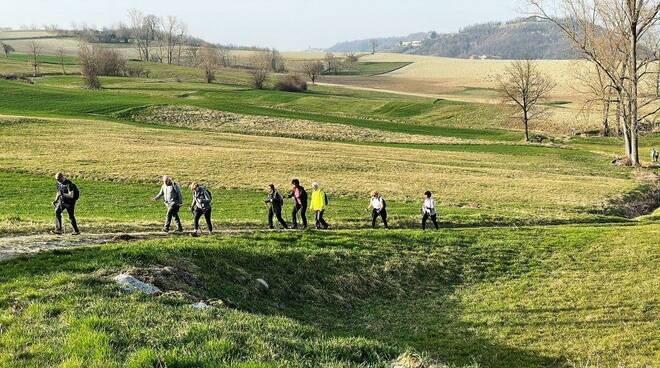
{"points": [[65, 199], [275, 202], [299, 195], [201, 206]]}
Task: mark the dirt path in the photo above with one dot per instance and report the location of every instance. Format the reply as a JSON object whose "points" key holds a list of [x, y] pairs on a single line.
{"points": [[14, 246]]}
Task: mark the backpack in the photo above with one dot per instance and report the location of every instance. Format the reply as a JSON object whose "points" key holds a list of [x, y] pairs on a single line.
{"points": [[384, 203], [203, 198], [278, 200], [76, 191]]}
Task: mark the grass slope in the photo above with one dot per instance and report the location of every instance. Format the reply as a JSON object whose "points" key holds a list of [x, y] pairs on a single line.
{"points": [[497, 298]]}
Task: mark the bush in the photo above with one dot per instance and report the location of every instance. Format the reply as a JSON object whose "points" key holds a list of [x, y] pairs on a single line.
{"points": [[291, 83], [259, 77]]}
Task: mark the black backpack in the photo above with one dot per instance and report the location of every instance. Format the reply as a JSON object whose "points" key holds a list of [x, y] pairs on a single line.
{"points": [[204, 198]]}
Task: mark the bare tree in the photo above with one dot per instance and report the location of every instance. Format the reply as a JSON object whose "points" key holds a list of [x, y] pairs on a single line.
{"points": [[172, 35], [313, 70], [332, 63], [260, 69], [89, 68], [526, 88], [599, 92], [35, 57], [374, 45], [144, 29], [208, 62], [60, 56], [602, 28]]}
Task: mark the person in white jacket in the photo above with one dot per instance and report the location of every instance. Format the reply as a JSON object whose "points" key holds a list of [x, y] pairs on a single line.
{"points": [[428, 210], [170, 191], [378, 208]]}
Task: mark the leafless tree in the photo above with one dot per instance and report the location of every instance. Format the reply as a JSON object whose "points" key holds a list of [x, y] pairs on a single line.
{"points": [[526, 88], [172, 35], [60, 56], [144, 29], [89, 68], [208, 62], [598, 90], [332, 63], [600, 29], [313, 70], [260, 67], [374, 45], [35, 57], [192, 55]]}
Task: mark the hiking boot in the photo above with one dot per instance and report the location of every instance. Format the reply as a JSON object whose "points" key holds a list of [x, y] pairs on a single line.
{"points": [[75, 233], [210, 232], [166, 230], [56, 232]]}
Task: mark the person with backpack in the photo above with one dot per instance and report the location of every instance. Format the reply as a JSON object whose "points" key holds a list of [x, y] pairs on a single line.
{"points": [[170, 191], [201, 206], [428, 210], [275, 202], [318, 205], [654, 155], [65, 199], [299, 195], [377, 205]]}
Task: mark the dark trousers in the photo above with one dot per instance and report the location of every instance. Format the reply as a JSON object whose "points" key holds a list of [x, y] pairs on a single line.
{"points": [[434, 219], [275, 211], [198, 213], [303, 215], [70, 210], [375, 214], [173, 212], [320, 221]]}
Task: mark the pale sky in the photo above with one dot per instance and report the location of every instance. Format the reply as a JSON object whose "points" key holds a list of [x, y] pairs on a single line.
{"points": [[285, 24]]}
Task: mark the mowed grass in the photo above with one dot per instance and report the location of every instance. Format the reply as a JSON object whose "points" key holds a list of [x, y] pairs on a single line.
{"points": [[369, 68], [489, 298]]}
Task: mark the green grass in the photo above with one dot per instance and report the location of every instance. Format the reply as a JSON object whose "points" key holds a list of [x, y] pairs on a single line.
{"points": [[45, 59], [369, 68], [498, 298]]}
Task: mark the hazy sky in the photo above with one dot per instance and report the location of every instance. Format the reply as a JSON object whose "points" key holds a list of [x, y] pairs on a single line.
{"points": [[285, 24]]}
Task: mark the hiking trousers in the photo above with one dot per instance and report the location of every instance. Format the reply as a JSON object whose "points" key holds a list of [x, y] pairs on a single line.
{"points": [[303, 216], [320, 221], [70, 210], [434, 219], [198, 213], [378, 213], [173, 213], [276, 212]]}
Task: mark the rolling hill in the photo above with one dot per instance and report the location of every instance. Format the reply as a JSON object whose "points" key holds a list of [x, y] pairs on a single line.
{"points": [[517, 39]]}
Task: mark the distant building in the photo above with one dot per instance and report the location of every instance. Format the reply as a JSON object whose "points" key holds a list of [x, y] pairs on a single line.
{"points": [[413, 44]]}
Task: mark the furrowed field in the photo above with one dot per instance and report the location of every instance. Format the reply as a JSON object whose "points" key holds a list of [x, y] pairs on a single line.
{"points": [[536, 263]]}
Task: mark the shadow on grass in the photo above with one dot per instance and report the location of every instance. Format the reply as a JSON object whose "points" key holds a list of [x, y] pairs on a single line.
{"points": [[386, 286]]}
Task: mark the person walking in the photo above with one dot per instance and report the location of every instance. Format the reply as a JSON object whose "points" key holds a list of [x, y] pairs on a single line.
{"points": [[65, 200], [378, 206], [319, 204], [299, 195], [275, 202], [171, 194], [654, 155], [201, 206], [428, 210]]}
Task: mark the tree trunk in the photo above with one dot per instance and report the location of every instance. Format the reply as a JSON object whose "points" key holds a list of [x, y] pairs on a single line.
{"points": [[606, 118], [619, 130], [526, 122], [634, 82]]}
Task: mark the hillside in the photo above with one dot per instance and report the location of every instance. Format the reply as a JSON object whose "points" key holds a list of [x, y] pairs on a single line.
{"points": [[518, 39]]}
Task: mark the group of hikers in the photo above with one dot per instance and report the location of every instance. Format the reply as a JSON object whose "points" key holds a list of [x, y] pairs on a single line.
{"points": [[172, 196]]}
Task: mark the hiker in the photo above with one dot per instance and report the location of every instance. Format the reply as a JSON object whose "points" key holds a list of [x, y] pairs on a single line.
{"points": [[170, 191], [377, 206], [654, 155], [428, 210], [319, 203], [201, 205], [65, 199], [275, 202], [299, 195]]}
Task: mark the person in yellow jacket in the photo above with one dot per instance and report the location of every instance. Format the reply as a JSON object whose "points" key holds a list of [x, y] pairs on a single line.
{"points": [[318, 205]]}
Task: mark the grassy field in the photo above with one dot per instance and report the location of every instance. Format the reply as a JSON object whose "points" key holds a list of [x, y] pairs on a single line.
{"points": [[370, 68], [526, 271]]}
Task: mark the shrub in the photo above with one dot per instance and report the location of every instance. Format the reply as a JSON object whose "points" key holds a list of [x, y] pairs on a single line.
{"points": [[291, 83], [259, 77]]}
